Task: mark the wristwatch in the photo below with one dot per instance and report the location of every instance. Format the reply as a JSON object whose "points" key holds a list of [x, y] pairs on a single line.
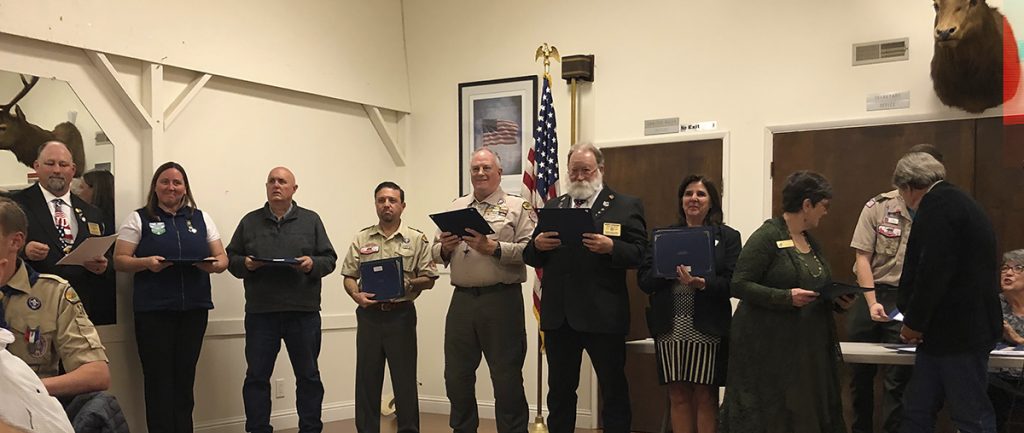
{"points": [[497, 251]]}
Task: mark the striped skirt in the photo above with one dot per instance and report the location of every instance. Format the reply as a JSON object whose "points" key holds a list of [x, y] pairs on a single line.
{"points": [[685, 354]]}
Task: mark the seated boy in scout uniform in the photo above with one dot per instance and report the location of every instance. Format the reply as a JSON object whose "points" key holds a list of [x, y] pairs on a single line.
{"points": [[53, 333]]}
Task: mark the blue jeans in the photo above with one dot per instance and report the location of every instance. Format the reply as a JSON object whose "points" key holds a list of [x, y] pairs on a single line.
{"points": [[962, 380], [300, 331]]}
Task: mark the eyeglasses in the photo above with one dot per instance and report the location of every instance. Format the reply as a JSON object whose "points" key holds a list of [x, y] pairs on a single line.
{"points": [[581, 172], [1016, 268]]}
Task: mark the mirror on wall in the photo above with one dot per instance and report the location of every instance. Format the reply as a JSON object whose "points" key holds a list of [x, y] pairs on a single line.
{"points": [[35, 110]]}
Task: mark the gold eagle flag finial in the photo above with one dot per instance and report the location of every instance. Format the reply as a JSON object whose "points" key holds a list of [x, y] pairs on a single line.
{"points": [[547, 52]]}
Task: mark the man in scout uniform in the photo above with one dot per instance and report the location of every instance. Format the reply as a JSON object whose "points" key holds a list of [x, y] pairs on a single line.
{"points": [[387, 328], [586, 304], [486, 315], [59, 222], [47, 318], [880, 242]]}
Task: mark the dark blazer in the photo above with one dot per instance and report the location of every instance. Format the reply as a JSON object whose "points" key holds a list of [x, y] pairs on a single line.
{"points": [[712, 309], [97, 292], [950, 285], [585, 289]]}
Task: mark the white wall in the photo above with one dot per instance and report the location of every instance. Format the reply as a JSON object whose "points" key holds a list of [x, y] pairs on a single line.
{"points": [[749, 65], [348, 49]]}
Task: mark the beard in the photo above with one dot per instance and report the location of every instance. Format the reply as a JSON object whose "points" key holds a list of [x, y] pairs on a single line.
{"points": [[584, 189], [56, 185]]}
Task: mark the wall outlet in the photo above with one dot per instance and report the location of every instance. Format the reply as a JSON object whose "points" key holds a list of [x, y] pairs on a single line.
{"points": [[278, 388]]}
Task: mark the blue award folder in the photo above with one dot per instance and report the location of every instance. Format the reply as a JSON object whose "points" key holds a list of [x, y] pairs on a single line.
{"points": [[570, 223], [690, 246], [383, 278], [277, 260], [457, 221]]}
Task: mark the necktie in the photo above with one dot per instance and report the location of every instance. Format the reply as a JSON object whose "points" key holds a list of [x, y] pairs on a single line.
{"points": [[60, 221], [578, 203]]}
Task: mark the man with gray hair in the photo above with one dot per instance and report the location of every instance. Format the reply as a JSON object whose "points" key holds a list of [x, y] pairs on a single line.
{"points": [[487, 314], [59, 221], [949, 296], [879, 241], [585, 306]]}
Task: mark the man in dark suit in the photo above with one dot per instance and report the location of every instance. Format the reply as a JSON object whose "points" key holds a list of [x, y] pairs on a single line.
{"points": [[949, 296], [585, 305], [54, 230]]}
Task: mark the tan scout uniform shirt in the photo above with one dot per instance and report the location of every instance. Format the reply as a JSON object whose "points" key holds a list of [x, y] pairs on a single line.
{"points": [[883, 230], [371, 244], [52, 307], [513, 220]]}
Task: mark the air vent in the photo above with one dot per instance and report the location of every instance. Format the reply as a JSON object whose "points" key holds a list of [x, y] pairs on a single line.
{"points": [[893, 50]]}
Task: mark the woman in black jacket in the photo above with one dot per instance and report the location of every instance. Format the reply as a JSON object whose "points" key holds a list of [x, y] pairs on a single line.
{"points": [[689, 315]]}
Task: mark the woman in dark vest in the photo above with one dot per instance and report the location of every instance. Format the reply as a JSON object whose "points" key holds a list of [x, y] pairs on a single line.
{"points": [[172, 248]]}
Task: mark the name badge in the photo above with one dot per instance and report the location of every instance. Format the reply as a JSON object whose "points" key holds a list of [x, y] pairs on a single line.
{"points": [[158, 228], [94, 229], [892, 220], [612, 229], [369, 249], [788, 243]]}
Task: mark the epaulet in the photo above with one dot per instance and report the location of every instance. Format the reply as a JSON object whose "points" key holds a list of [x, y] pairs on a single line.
{"points": [[56, 278], [415, 229], [367, 228], [514, 195], [876, 199]]}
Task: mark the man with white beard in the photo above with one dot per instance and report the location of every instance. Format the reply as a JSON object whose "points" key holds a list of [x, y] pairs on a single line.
{"points": [[585, 304]]}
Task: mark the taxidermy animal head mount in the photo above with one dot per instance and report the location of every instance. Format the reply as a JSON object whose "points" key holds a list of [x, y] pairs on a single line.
{"points": [[23, 138], [970, 54]]}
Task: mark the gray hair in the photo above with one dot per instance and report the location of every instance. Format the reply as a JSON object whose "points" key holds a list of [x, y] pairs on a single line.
{"points": [[587, 147], [497, 159], [917, 170], [1015, 257]]}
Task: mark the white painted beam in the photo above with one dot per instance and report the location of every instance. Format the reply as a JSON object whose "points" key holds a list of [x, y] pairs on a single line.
{"points": [[385, 136], [184, 98], [153, 103], [106, 69]]}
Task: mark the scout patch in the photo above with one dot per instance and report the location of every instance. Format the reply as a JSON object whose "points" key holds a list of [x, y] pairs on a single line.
{"points": [[369, 249], [71, 296], [892, 220], [94, 229], [889, 232], [34, 303], [157, 228], [788, 243], [870, 203], [37, 349], [612, 229]]}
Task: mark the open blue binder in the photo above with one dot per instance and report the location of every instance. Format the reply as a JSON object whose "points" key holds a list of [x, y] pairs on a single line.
{"points": [[383, 278], [690, 246]]}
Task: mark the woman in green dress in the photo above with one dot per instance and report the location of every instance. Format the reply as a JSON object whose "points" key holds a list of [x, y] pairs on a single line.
{"points": [[783, 360]]}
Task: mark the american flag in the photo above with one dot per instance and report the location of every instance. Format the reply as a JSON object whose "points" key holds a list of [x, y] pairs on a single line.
{"points": [[541, 176], [497, 131]]}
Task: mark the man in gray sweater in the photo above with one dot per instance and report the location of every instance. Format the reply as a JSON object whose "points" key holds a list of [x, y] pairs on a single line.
{"points": [[281, 252]]}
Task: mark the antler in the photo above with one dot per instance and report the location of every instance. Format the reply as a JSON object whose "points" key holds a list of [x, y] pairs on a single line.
{"points": [[26, 86]]}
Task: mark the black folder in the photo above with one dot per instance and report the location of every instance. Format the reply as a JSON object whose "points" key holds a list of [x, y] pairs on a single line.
{"points": [[832, 290], [570, 223], [383, 278], [188, 262], [690, 246], [277, 260], [457, 221]]}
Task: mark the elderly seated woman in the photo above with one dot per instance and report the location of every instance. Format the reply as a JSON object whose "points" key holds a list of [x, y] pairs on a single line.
{"points": [[1006, 386]]}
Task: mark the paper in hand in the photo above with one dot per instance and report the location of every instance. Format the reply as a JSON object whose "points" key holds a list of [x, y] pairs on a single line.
{"points": [[91, 248]]}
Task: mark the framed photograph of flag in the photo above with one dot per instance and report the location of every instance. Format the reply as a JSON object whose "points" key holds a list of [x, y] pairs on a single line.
{"points": [[499, 115]]}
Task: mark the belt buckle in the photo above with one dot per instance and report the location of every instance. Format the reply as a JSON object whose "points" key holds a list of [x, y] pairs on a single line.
{"points": [[387, 306]]}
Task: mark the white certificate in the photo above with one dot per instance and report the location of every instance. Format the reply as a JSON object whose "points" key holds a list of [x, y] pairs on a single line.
{"points": [[90, 248]]}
